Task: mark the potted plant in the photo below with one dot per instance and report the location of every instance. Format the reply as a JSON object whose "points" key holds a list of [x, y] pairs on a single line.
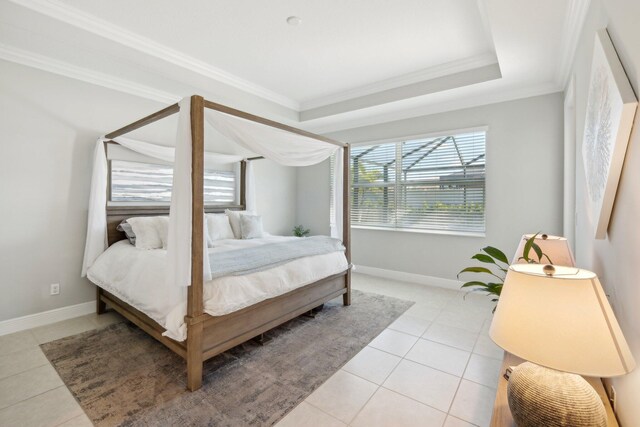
{"points": [[497, 265], [300, 231]]}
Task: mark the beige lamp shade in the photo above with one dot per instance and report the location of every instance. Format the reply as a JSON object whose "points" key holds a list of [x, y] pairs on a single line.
{"points": [[563, 321], [555, 247]]}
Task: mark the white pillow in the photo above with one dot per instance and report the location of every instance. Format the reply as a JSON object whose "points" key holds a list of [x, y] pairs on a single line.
{"points": [[251, 226], [163, 229], [162, 224], [207, 236], [147, 231], [219, 227], [234, 219]]}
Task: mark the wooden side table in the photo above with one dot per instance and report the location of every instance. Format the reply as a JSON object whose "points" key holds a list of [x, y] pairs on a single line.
{"points": [[501, 413]]}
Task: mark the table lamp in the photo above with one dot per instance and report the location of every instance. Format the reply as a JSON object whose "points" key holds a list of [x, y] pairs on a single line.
{"points": [[556, 249], [559, 320]]}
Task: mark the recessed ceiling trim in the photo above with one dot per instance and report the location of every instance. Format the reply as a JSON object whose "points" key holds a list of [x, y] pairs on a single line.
{"points": [[65, 69], [404, 80], [574, 19], [92, 24], [447, 82], [494, 97], [322, 126], [486, 23]]}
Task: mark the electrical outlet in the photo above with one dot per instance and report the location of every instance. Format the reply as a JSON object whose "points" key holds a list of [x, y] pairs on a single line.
{"points": [[55, 288], [612, 397]]}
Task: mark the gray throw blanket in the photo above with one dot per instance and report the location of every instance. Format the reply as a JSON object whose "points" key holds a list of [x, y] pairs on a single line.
{"points": [[263, 257]]}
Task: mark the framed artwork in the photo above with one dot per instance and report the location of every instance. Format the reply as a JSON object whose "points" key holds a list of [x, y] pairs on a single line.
{"points": [[611, 108]]}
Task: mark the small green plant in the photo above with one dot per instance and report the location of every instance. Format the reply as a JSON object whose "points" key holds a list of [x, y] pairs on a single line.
{"points": [[498, 265], [300, 231], [531, 244]]}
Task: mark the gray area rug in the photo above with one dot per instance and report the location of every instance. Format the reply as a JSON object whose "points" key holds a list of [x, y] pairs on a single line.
{"points": [[121, 376]]}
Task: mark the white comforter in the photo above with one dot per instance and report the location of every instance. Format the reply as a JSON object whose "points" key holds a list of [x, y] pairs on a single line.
{"points": [[138, 277]]}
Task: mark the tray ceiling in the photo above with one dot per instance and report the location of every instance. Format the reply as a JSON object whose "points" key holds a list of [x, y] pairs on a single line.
{"points": [[344, 61]]}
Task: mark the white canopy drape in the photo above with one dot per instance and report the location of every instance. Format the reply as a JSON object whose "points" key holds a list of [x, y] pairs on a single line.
{"points": [[180, 211], [281, 146], [96, 241], [179, 237], [335, 221]]}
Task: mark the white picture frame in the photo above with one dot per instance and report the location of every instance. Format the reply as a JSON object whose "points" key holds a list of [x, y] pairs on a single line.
{"points": [[611, 108]]}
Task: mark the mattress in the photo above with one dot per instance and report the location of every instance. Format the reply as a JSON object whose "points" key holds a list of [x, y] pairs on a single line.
{"points": [[138, 277]]}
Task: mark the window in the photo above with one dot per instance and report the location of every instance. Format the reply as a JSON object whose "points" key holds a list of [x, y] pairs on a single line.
{"points": [[148, 182], [434, 183]]}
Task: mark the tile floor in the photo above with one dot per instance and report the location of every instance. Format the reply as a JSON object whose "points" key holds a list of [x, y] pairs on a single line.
{"points": [[31, 392], [434, 366]]}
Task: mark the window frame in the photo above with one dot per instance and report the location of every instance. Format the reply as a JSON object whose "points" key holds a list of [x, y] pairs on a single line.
{"points": [[111, 202], [428, 135]]}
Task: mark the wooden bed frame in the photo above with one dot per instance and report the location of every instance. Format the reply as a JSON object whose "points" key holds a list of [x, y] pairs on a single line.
{"points": [[208, 336]]}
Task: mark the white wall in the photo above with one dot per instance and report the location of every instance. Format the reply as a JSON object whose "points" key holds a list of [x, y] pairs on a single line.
{"points": [[276, 196], [523, 181], [616, 258], [313, 191], [49, 127]]}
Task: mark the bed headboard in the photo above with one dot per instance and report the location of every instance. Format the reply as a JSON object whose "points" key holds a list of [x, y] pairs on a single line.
{"points": [[117, 214]]}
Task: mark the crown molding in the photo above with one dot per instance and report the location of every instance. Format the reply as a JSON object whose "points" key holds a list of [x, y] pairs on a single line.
{"points": [[426, 74], [573, 23], [55, 9], [90, 23], [324, 125], [335, 124], [65, 69]]}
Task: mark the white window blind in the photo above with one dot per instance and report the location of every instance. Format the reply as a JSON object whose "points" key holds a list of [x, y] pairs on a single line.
{"points": [[434, 183], [149, 182]]}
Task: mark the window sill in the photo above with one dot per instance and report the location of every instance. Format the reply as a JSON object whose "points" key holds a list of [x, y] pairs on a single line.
{"points": [[420, 231]]}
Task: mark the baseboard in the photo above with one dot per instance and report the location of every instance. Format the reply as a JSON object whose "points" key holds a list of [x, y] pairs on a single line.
{"points": [[46, 317], [409, 277], [59, 314]]}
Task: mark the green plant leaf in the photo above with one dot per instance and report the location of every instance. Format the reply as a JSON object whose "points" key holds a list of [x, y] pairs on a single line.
{"points": [[483, 258], [527, 247], [474, 283], [496, 253], [537, 250], [475, 270], [494, 288], [479, 270]]}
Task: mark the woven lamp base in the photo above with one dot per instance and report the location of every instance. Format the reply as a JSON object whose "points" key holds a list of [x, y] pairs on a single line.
{"points": [[540, 396]]}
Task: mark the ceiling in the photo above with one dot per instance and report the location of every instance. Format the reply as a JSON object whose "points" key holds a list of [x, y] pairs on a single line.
{"points": [[348, 63]]}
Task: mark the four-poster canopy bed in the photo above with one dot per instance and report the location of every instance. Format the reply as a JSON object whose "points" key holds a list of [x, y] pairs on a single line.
{"points": [[207, 335]]}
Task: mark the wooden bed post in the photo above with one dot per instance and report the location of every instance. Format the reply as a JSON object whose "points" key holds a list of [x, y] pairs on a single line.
{"points": [[195, 303], [101, 306], [346, 219], [243, 184]]}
